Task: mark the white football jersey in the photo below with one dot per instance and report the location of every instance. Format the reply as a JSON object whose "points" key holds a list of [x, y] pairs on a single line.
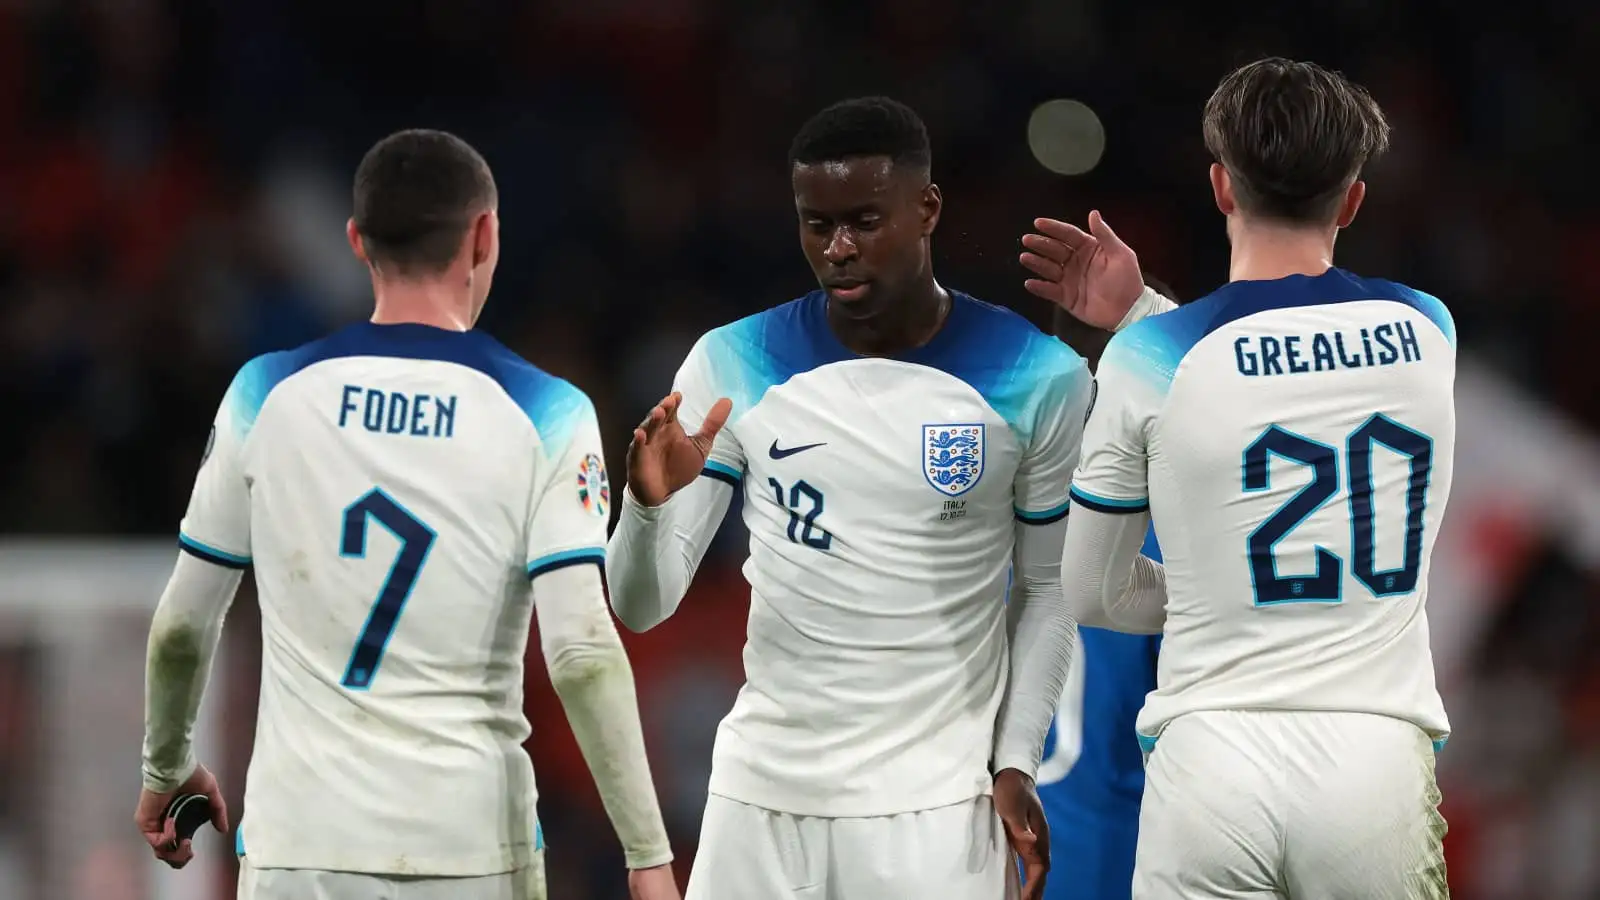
{"points": [[881, 495], [396, 487], [1293, 440]]}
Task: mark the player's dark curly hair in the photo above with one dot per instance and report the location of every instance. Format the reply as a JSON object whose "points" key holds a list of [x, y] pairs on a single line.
{"points": [[416, 193], [864, 126], [1293, 136]]}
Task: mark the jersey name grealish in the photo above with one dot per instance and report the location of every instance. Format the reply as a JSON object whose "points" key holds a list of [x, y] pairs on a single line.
{"points": [[881, 496], [1294, 441], [396, 487]]}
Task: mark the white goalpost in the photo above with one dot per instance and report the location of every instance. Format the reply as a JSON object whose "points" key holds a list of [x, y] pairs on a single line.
{"points": [[74, 615]]}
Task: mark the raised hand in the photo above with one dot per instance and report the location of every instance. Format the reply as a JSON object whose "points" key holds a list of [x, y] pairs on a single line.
{"points": [[1091, 274], [664, 459], [1016, 801]]}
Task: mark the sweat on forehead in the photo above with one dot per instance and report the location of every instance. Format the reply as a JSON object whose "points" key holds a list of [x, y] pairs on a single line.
{"points": [[856, 176]]}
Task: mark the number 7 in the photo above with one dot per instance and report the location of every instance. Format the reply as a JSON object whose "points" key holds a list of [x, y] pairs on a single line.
{"points": [[416, 539]]}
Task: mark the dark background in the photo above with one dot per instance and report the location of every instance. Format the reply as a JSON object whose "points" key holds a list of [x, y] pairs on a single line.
{"points": [[174, 180]]}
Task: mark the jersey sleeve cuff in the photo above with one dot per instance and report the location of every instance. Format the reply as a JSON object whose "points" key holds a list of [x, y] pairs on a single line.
{"points": [[1149, 303], [214, 555], [159, 781], [576, 557], [1018, 761], [1108, 504], [648, 858], [1044, 516], [722, 472]]}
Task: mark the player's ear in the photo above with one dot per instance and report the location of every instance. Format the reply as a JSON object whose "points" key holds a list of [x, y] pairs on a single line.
{"points": [[485, 237], [1222, 190], [1353, 195], [354, 237], [932, 206]]}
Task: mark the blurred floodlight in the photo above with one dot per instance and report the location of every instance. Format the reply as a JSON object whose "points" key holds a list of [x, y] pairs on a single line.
{"points": [[1066, 136]]}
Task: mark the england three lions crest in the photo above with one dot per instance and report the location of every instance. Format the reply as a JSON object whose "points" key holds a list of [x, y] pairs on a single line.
{"points": [[952, 457]]}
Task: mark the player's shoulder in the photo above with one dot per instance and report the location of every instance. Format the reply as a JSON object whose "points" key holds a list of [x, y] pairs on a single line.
{"points": [[1023, 374], [788, 330], [745, 357], [1423, 302], [1002, 329], [997, 339], [256, 380], [553, 405], [1157, 344]]}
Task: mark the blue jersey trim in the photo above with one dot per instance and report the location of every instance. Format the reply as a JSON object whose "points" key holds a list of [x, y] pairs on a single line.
{"points": [[238, 842], [722, 472], [1023, 374], [211, 554], [565, 558], [1238, 299], [1044, 517], [553, 405], [1107, 504], [1156, 345]]}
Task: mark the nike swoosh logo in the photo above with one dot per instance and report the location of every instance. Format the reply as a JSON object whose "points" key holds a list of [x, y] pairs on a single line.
{"points": [[776, 453]]}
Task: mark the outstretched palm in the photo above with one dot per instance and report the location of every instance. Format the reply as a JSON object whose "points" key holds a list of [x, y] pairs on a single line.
{"points": [[663, 458], [1091, 274]]}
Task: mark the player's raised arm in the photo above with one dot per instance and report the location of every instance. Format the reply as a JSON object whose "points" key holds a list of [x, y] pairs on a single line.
{"points": [[588, 666], [215, 542], [681, 477]]}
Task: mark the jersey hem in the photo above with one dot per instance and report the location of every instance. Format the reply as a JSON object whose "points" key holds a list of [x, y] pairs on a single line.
{"points": [[1149, 732], [397, 863], [749, 791]]}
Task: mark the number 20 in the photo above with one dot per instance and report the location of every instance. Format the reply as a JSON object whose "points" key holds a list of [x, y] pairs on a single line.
{"points": [[1325, 585]]}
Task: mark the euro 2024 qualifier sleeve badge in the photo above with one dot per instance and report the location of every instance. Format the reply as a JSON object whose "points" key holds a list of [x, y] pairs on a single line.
{"points": [[594, 489]]}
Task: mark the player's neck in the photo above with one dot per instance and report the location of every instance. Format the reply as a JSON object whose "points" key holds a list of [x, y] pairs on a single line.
{"points": [[430, 302], [903, 325], [1265, 251]]}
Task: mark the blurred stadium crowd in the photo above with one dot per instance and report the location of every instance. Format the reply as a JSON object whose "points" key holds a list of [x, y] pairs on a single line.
{"points": [[174, 179]]}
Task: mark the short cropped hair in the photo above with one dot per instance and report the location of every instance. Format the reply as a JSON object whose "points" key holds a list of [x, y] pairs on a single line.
{"points": [[416, 193], [1293, 136], [864, 126]]}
